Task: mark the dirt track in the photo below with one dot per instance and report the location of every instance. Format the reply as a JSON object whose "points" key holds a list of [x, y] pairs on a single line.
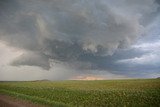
{"points": [[7, 101]]}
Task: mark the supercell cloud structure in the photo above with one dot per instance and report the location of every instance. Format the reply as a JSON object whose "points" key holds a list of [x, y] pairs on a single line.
{"points": [[60, 39]]}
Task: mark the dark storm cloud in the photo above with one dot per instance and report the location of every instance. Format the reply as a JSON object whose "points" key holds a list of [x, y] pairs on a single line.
{"points": [[86, 34]]}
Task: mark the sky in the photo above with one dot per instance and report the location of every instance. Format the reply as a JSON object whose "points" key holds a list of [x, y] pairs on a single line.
{"points": [[79, 39]]}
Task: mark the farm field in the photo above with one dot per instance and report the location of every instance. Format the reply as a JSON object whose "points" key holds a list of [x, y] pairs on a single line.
{"points": [[98, 93]]}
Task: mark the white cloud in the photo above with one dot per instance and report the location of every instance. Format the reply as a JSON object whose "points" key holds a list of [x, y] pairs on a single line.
{"points": [[147, 59], [150, 46], [8, 54]]}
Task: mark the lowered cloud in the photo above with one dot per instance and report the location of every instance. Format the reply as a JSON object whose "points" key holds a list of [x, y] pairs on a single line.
{"points": [[77, 35]]}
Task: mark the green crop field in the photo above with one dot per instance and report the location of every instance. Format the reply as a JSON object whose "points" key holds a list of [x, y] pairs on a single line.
{"points": [[100, 93]]}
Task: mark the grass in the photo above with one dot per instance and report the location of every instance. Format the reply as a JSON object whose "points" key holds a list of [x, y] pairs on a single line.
{"points": [[111, 93]]}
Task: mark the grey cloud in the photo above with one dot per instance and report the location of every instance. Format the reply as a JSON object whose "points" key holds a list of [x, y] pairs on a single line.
{"points": [[85, 34], [32, 59]]}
